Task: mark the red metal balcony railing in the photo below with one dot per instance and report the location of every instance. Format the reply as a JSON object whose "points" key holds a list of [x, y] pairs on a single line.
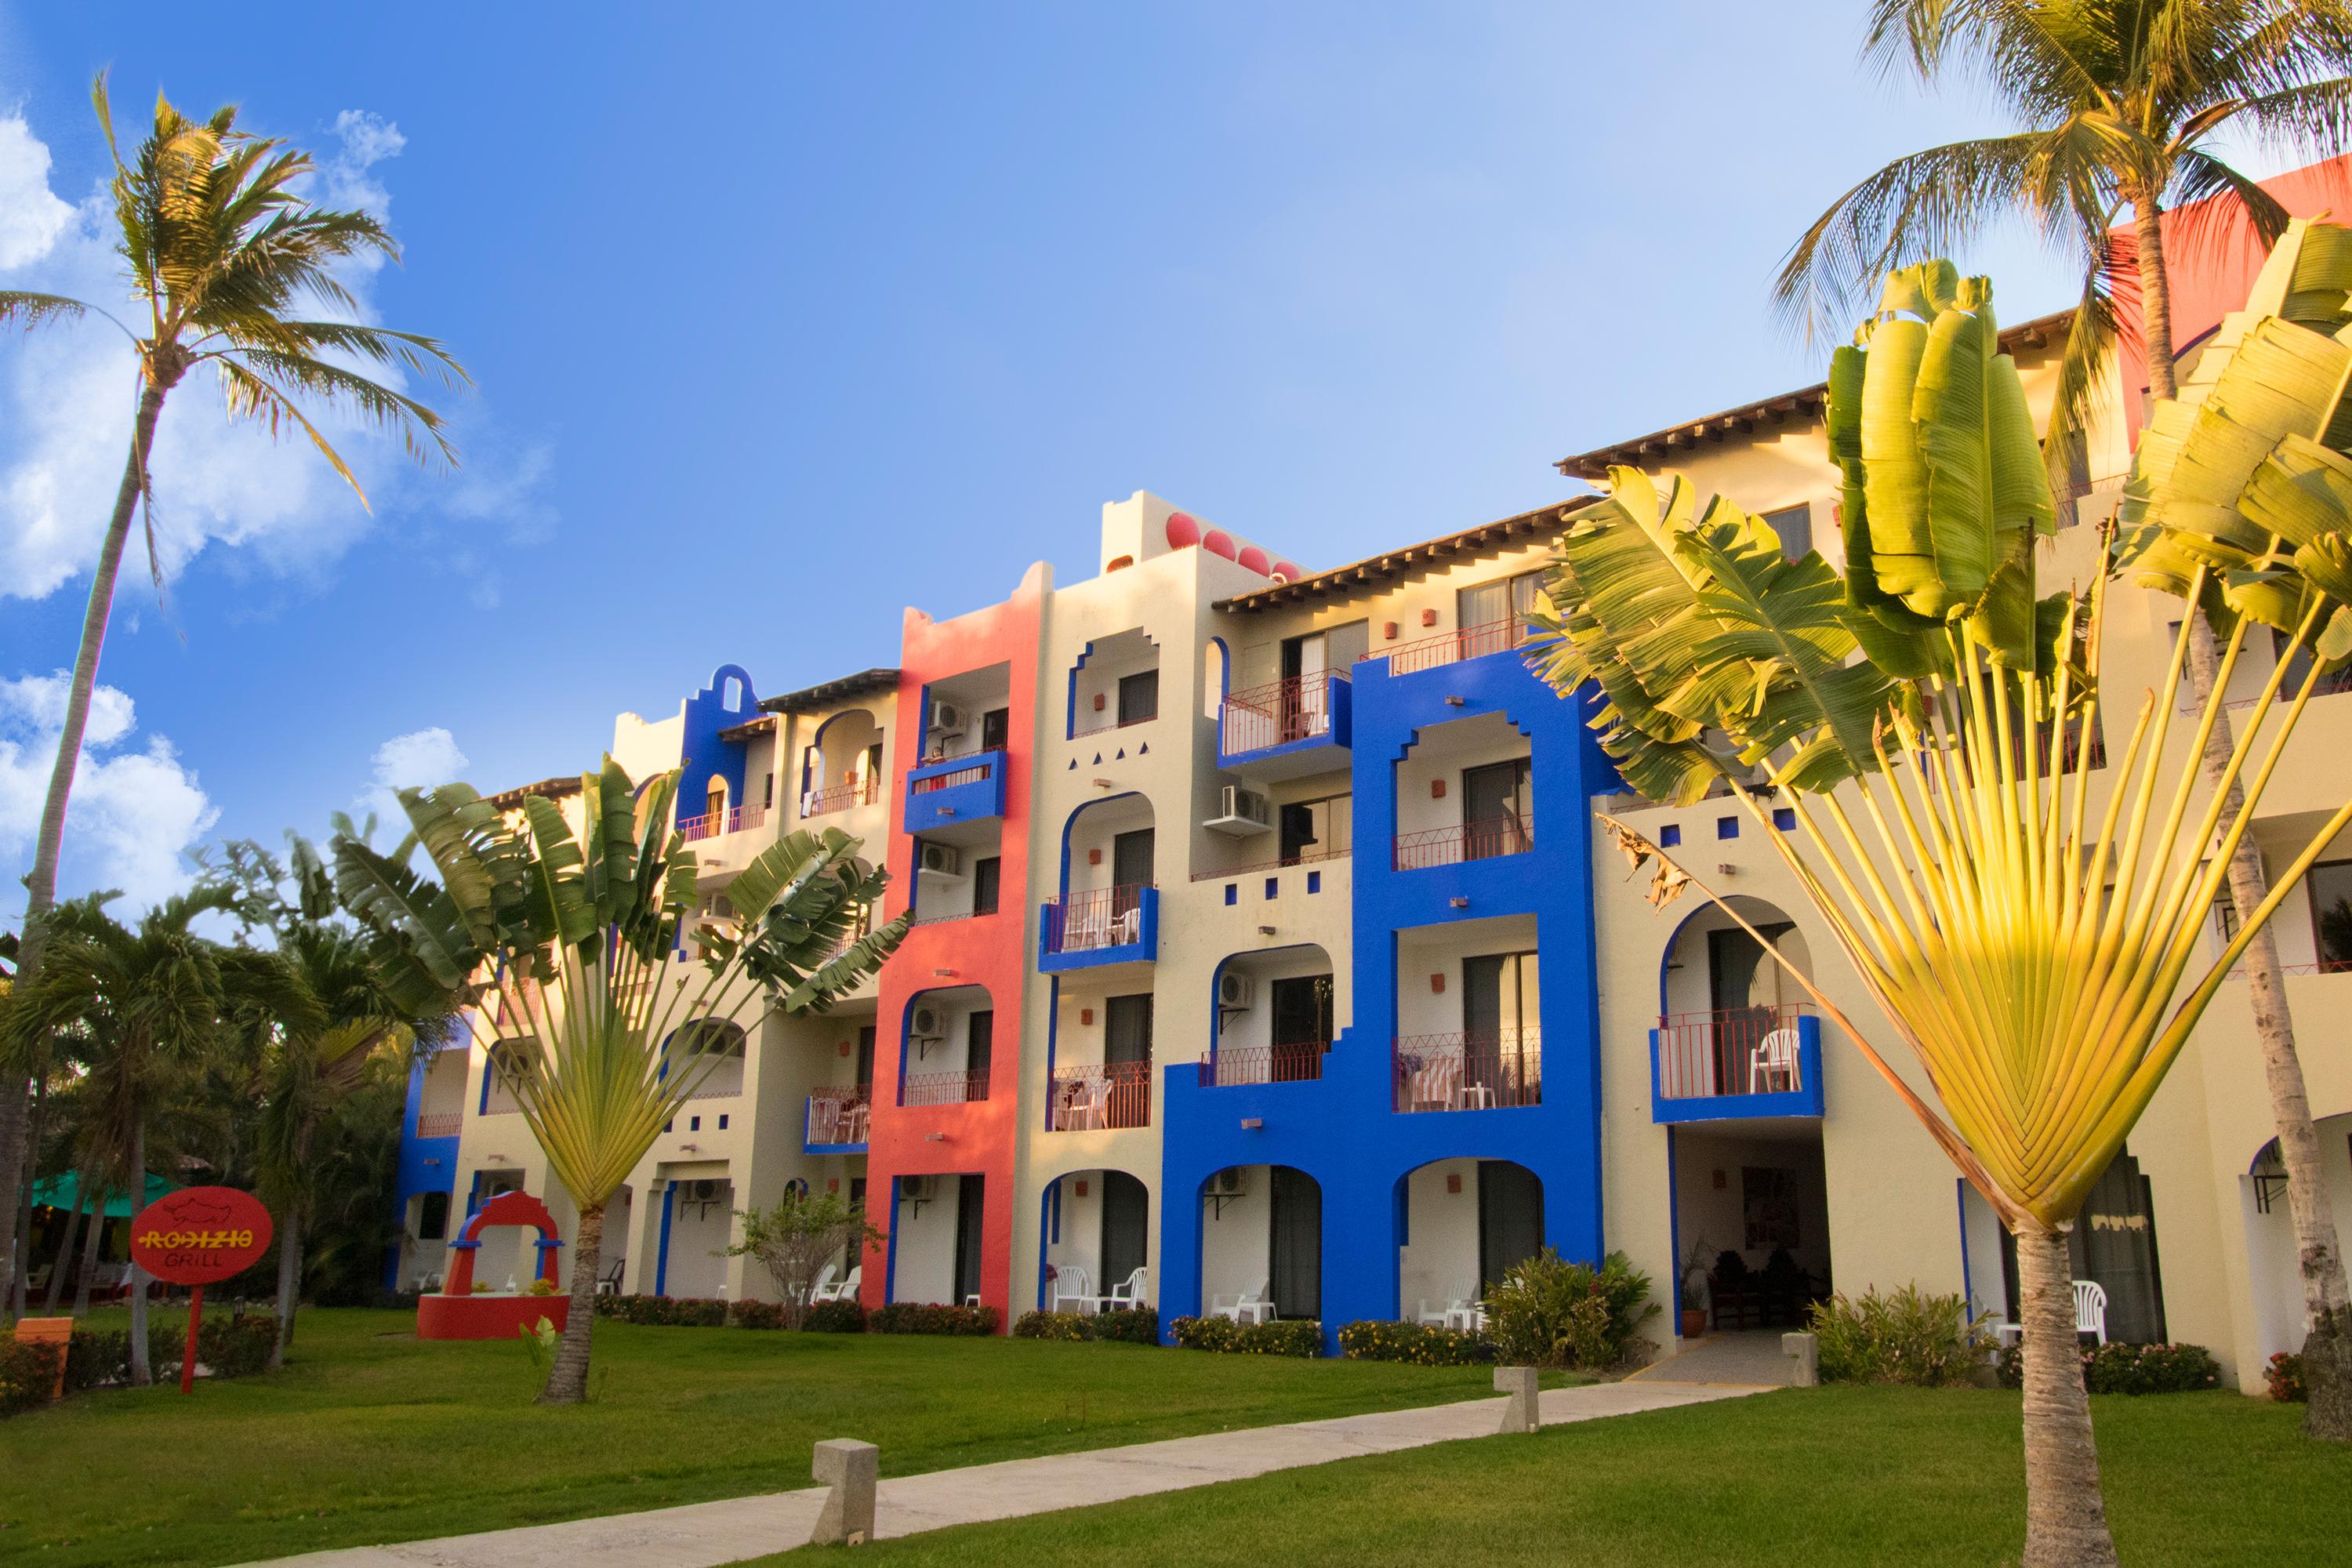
{"points": [[841, 796], [734, 819], [931, 783], [944, 1087], [1299, 1062], [1734, 1051], [440, 1123], [1278, 712], [1452, 648], [1464, 1071], [1469, 841], [1097, 919], [840, 1114], [1105, 1094]]}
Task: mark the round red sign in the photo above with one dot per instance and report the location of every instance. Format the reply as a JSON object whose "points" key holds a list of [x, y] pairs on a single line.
{"points": [[200, 1236]]}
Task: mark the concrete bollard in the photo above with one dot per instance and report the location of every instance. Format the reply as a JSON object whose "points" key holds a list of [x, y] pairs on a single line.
{"points": [[1519, 1413], [849, 1468], [1808, 1351]]}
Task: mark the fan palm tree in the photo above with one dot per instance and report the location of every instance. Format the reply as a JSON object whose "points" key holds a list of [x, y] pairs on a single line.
{"points": [[2120, 105], [223, 259], [155, 1000], [1921, 718], [565, 954]]}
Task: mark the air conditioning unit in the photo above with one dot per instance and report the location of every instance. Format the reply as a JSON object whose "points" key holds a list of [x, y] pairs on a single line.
{"points": [[1236, 990], [1241, 814], [918, 1189], [1230, 1183], [947, 719], [702, 1190], [940, 860], [930, 1022]]}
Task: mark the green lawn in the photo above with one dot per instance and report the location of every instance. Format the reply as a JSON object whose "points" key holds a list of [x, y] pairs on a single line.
{"points": [[369, 1435], [1811, 1479]]}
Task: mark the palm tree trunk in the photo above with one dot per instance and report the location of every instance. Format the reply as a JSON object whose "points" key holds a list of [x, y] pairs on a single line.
{"points": [[140, 1373], [289, 1276], [63, 1267], [93, 1240], [41, 882], [15, 1135], [2327, 1298], [567, 1379], [2065, 1519], [29, 1170]]}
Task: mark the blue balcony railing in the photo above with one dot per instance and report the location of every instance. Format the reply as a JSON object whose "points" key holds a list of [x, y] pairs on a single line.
{"points": [[1302, 724], [955, 789], [1107, 925], [1737, 1062]]}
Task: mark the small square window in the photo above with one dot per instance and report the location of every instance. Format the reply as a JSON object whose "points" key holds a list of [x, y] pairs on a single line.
{"points": [[694, 1124], [1273, 886], [1784, 818], [1727, 827], [1232, 892], [667, 1126], [1314, 881], [722, 1122], [1670, 835]]}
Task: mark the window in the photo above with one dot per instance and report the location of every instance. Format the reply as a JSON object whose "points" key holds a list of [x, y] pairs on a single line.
{"points": [[2298, 670], [433, 1218], [1314, 830], [2331, 914], [1794, 525], [1498, 803], [1503, 605], [995, 729], [980, 1052], [1138, 697], [985, 875], [768, 793]]}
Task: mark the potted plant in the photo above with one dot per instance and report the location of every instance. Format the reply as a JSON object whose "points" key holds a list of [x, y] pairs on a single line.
{"points": [[1696, 1285]]}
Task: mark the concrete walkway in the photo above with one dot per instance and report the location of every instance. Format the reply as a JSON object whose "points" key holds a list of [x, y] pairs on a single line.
{"points": [[1744, 1356], [709, 1534]]}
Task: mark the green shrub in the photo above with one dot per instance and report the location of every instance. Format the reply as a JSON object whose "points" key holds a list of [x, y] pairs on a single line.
{"points": [[2132, 1369], [1138, 1326], [1051, 1326], [665, 1311], [96, 1356], [1906, 1336], [750, 1314], [834, 1318], [28, 1372], [2283, 1376], [930, 1318], [1287, 1336], [1553, 1313], [1420, 1345]]}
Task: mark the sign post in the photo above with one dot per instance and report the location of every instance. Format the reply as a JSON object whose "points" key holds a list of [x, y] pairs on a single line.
{"points": [[199, 1236]]}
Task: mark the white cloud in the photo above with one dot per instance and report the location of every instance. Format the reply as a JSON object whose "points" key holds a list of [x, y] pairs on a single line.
{"points": [[67, 394], [134, 814], [420, 758]]}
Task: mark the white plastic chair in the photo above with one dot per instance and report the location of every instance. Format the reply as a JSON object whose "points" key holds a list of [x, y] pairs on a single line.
{"points": [[2091, 1308], [1128, 1294], [1071, 1284], [1775, 1057], [1250, 1307], [1429, 1319], [847, 1290], [824, 1282]]}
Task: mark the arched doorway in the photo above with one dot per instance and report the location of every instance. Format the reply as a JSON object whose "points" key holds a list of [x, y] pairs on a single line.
{"points": [[1095, 1240], [1262, 1241], [1463, 1224]]}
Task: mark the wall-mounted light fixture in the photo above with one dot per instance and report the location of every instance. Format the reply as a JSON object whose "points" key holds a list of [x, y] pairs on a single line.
{"points": [[1253, 1123], [1458, 901], [1265, 930], [1437, 982], [935, 1137]]}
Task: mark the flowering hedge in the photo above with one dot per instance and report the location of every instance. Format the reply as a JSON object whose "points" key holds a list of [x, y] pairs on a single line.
{"points": [[227, 1346], [847, 1317], [2132, 1369], [1420, 1345], [27, 1374], [930, 1318], [1287, 1336], [1136, 1327], [2284, 1377], [668, 1311]]}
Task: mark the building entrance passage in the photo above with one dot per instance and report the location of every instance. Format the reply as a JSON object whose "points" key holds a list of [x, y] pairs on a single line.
{"points": [[1296, 1265]]}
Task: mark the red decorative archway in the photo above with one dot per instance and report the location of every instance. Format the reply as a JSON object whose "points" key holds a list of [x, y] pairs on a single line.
{"points": [[457, 1313]]}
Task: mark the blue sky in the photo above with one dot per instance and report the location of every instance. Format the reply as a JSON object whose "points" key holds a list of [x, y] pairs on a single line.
{"points": [[782, 318]]}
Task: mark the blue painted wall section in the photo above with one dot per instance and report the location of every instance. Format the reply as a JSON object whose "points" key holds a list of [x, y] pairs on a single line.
{"points": [[1342, 1129], [708, 711], [426, 1166]]}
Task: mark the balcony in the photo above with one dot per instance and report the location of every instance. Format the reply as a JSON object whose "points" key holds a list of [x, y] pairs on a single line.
{"points": [[1105, 925], [955, 790], [1483, 1071], [1104, 1095], [944, 1087], [1463, 842], [1231, 1066], [717, 824], [1737, 1062], [837, 1120], [1286, 729], [841, 796], [1453, 646], [439, 1124]]}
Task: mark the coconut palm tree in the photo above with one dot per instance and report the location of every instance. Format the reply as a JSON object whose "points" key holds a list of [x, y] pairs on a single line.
{"points": [[225, 261], [2120, 106], [1921, 716], [155, 1000], [568, 955]]}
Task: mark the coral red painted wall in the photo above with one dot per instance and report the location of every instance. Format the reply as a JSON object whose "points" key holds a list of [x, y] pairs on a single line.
{"points": [[991, 951]]}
